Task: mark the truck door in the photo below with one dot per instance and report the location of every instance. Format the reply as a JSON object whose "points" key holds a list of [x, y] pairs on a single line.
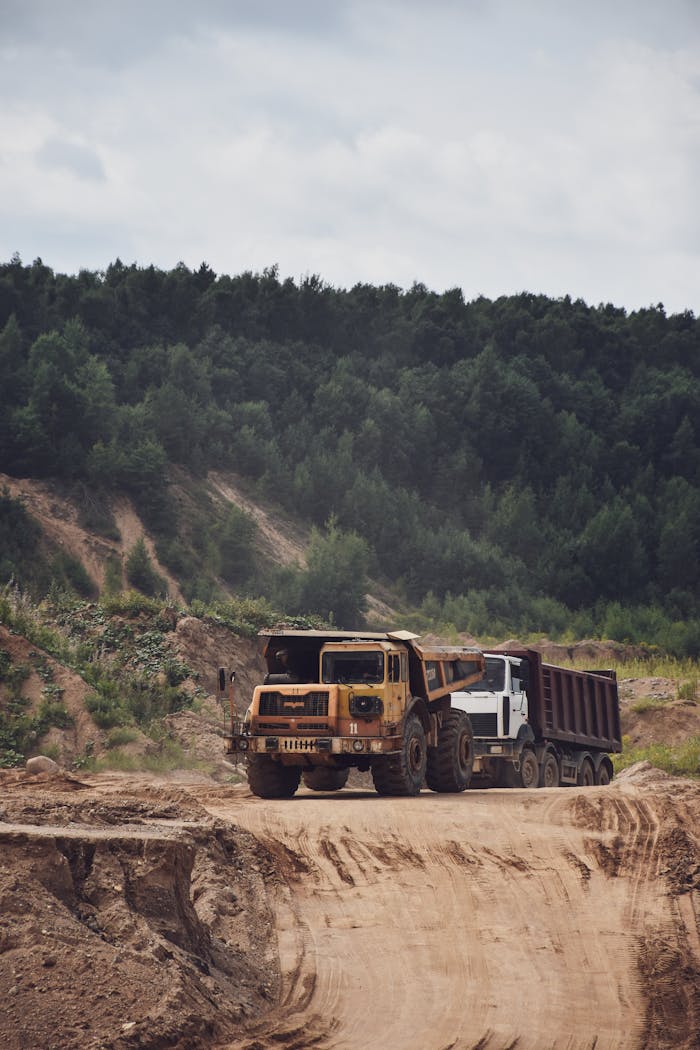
{"points": [[515, 701], [396, 678]]}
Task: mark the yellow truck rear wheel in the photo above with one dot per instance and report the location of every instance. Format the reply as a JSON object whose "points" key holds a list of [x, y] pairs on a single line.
{"points": [[450, 763]]}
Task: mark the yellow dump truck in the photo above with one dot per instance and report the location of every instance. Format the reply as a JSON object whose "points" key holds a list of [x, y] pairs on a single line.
{"points": [[333, 700]]}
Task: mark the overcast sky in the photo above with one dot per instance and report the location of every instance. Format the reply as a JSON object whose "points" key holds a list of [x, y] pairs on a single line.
{"points": [[496, 145]]}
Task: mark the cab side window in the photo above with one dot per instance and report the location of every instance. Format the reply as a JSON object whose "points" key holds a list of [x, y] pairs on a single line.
{"points": [[394, 669]]}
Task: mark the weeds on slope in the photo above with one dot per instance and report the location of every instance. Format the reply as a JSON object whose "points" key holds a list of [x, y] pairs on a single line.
{"points": [[679, 759]]}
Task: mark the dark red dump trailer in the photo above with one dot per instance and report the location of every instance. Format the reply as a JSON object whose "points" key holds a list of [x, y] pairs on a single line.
{"points": [[580, 708]]}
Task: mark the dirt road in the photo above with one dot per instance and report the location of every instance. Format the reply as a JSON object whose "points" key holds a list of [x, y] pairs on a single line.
{"points": [[489, 919], [563, 918]]}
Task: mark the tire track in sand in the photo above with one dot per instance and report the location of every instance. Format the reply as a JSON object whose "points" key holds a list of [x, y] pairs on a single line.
{"points": [[451, 921]]}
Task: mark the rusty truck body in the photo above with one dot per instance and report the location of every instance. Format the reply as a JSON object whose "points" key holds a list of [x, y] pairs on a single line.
{"points": [[334, 700]]}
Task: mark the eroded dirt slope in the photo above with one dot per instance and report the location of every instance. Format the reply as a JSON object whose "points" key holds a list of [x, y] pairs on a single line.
{"points": [[128, 918], [137, 913]]}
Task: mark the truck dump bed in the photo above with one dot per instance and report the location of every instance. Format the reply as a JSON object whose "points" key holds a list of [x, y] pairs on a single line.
{"points": [[435, 670], [580, 708]]}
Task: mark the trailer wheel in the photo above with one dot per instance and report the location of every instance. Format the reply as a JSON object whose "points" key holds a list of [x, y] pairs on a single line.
{"points": [[603, 776], [403, 774], [549, 775], [529, 776], [270, 779], [450, 763], [586, 774], [325, 778]]}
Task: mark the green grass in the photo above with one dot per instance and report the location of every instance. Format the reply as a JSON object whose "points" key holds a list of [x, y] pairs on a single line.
{"points": [[688, 690], [655, 665], [121, 735], [679, 759], [170, 756], [647, 703]]}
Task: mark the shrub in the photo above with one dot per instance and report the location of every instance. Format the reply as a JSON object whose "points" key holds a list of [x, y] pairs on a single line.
{"points": [[120, 735], [70, 573], [335, 582], [5, 663], [688, 690], [130, 604], [113, 575], [234, 539], [141, 574], [95, 512], [19, 538], [106, 704]]}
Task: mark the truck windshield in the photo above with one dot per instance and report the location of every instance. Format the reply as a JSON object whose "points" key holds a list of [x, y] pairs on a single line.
{"points": [[353, 667], [494, 681]]}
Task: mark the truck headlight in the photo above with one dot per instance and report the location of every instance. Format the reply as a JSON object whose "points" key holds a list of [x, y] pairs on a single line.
{"points": [[366, 705]]}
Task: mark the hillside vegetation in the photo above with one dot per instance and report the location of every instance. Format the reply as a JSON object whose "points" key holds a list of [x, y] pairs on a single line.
{"points": [[519, 465]]}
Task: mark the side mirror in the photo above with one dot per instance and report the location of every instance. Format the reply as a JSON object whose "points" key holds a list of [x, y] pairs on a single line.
{"points": [[524, 673], [222, 679]]}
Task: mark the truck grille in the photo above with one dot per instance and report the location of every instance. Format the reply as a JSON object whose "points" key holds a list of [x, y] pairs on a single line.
{"points": [[284, 727], [484, 724], [314, 704], [291, 743]]}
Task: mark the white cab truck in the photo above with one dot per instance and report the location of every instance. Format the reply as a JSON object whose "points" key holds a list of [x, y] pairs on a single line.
{"points": [[537, 725]]}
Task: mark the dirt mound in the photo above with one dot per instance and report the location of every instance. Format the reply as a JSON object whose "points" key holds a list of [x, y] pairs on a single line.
{"points": [[206, 645], [203, 739], [664, 721], [601, 653], [643, 773], [128, 922]]}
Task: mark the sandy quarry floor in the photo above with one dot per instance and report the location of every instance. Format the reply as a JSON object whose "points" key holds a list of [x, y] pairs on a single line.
{"points": [[147, 913]]}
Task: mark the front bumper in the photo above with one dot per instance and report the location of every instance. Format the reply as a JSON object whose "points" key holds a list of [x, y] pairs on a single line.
{"points": [[270, 744], [494, 748]]}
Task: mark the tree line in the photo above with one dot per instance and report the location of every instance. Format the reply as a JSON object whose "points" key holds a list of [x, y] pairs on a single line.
{"points": [[524, 463]]}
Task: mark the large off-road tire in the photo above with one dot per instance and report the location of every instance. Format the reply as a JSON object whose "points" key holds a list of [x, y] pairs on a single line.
{"points": [[403, 774], [529, 775], [549, 773], [450, 764], [325, 778], [270, 779], [586, 774]]}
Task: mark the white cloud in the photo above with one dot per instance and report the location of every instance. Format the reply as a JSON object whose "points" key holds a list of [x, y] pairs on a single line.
{"points": [[492, 145]]}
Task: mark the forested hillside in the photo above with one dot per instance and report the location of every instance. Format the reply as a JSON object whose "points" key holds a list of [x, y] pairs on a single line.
{"points": [[524, 464]]}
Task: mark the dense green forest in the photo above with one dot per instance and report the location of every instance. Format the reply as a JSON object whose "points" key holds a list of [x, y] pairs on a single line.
{"points": [[524, 464]]}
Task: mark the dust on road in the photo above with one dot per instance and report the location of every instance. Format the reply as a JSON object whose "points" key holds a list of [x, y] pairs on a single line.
{"points": [[561, 918]]}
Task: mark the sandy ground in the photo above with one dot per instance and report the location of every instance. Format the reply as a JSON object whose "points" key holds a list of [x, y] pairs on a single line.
{"points": [[138, 912]]}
